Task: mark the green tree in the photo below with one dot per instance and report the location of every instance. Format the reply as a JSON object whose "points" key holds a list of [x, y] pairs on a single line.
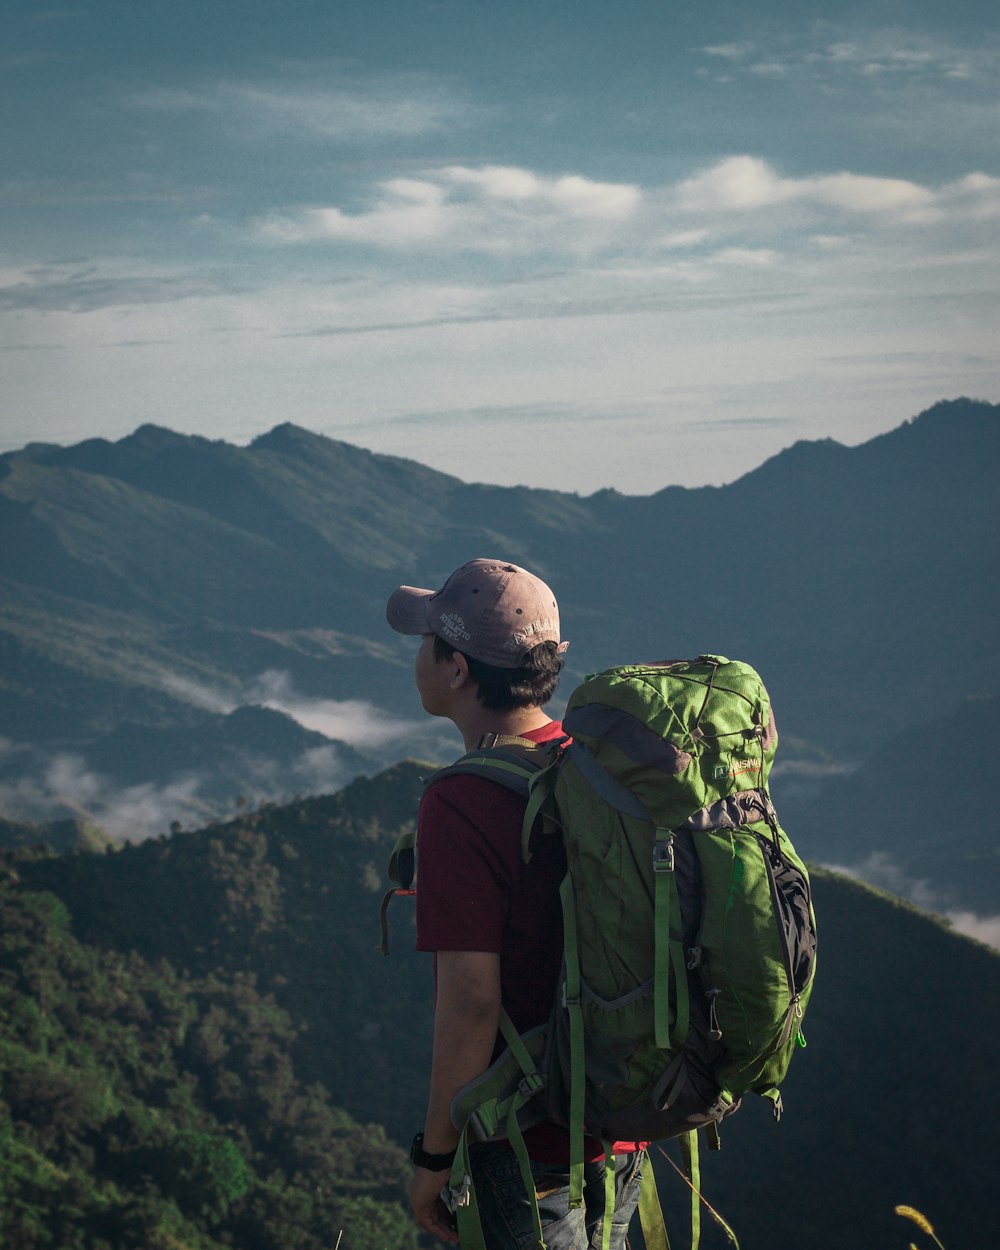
{"points": [[204, 1173]]}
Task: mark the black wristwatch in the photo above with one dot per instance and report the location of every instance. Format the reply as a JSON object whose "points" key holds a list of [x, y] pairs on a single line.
{"points": [[433, 1163]]}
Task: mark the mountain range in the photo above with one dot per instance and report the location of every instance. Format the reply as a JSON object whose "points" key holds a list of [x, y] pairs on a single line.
{"points": [[179, 615]]}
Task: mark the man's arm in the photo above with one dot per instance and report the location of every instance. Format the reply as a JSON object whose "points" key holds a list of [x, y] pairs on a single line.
{"points": [[466, 1018]]}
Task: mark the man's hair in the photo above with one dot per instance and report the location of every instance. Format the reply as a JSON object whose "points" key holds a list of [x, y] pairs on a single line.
{"points": [[531, 684]]}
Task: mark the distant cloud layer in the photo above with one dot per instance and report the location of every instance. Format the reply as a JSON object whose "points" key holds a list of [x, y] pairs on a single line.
{"points": [[508, 210], [355, 224], [66, 787], [827, 52], [879, 870], [256, 110], [746, 182], [354, 721], [63, 784], [489, 209]]}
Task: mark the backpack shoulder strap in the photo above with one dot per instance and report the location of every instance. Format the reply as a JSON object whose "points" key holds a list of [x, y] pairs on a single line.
{"points": [[510, 761]]}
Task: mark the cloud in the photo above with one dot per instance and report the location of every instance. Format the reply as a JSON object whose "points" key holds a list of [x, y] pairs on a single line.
{"points": [[320, 770], [571, 194], [830, 52], [881, 871], [141, 811], [85, 288], [884, 53], [209, 698], [64, 786], [985, 929], [29, 194], [744, 257], [386, 110], [811, 769], [354, 721], [494, 209], [730, 51], [513, 211], [36, 786], [746, 183]]}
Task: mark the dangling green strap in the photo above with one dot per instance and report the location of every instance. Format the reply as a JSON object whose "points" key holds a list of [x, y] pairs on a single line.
{"points": [[463, 1197], [654, 1230], [515, 1044], [405, 842], [577, 1081], [692, 1169], [682, 1007], [516, 1139], [668, 952], [664, 891], [489, 1116], [690, 1173], [610, 1194], [383, 920]]}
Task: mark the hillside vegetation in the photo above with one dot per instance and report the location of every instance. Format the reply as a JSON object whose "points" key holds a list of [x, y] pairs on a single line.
{"points": [[147, 1108], [196, 1025]]}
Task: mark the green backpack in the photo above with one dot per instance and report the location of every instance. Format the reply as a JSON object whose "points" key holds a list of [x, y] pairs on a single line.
{"points": [[690, 940]]}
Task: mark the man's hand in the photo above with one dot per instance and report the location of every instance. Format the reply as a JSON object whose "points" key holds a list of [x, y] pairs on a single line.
{"points": [[429, 1210]]}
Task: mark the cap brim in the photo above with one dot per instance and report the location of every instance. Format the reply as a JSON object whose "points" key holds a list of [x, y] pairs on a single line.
{"points": [[406, 610]]}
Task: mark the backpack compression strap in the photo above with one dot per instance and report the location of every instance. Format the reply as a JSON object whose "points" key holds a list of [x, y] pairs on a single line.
{"points": [[487, 1106], [668, 954]]}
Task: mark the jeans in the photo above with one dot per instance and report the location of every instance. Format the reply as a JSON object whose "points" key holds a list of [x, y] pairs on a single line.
{"points": [[505, 1211]]}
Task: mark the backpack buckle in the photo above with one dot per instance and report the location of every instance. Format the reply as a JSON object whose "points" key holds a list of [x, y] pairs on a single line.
{"points": [[663, 856], [531, 1084], [457, 1196], [568, 1001]]}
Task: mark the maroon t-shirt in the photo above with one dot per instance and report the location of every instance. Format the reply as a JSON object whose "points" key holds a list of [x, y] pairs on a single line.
{"points": [[475, 893]]}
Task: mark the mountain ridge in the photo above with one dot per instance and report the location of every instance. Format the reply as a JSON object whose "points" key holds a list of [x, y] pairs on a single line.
{"points": [[844, 574]]}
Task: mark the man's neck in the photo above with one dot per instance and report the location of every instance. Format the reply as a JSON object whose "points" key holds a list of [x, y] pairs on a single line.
{"points": [[478, 721]]}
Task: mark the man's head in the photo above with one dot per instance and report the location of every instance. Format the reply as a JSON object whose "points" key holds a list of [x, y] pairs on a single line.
{"points": [[502, 619]]}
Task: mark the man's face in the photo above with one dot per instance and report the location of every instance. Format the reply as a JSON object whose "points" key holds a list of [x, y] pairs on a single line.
{"points": [[433, 678]]}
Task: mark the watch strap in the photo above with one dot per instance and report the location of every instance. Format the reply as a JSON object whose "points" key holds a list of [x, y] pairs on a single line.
{"points": [[423, 1159]]}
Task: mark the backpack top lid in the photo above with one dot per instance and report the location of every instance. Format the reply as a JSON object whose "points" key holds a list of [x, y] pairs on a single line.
{"points": [[679, 734]]}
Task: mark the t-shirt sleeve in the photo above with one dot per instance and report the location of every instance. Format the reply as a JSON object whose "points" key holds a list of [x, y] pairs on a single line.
{"points": [[468, 829]]}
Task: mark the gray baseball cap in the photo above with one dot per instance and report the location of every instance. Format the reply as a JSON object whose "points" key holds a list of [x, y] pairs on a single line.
{"points": [[488, 609]]}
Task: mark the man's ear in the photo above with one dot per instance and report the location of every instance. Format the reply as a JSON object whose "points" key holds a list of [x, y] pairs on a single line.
{"points": [[460, 671]]}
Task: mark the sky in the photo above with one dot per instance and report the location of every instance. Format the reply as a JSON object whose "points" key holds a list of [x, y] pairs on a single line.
{"points": [[563, 243]]}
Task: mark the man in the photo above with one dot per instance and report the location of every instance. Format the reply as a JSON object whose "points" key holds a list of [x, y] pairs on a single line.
{"points": [[489, 661]]}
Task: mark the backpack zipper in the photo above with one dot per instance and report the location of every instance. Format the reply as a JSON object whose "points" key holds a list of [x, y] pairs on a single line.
{"points": [[772, 857]]}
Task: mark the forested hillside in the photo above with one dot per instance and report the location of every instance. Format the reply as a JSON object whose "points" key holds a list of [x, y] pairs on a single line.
{"points": [[195, 1026], [144, 1107]]}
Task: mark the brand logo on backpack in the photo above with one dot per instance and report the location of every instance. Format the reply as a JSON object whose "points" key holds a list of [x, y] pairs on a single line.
{"points": [[739, 769]]}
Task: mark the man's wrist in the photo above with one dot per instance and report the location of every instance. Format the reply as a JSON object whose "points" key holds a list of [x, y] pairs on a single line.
{"points": [[424, 1159]]}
